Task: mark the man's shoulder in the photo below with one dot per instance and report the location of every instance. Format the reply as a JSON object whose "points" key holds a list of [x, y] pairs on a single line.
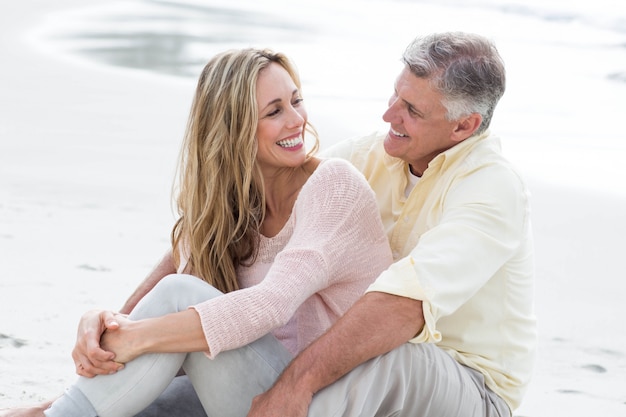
{"points": [[358, 145], [489, 155]]}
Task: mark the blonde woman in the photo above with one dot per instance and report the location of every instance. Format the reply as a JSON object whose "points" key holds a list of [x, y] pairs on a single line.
{"points": [[272, 246]]}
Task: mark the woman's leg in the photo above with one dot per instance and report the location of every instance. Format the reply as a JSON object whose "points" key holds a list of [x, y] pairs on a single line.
{"points": [[179, 399], [142, 380], [225, 385]]}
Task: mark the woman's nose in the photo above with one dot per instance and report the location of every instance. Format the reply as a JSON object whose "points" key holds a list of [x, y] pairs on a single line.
{"points": [[296, 119]]}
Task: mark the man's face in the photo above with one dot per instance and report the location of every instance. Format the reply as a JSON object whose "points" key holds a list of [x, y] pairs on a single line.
{"points": [[419, 130]]}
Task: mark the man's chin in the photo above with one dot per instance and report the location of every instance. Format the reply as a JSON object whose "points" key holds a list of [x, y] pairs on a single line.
{"points": [[394, 144]]}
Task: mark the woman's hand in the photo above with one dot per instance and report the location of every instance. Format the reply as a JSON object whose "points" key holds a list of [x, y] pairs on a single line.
{"points": [[89, 357], [121, 340], [107, 340]]}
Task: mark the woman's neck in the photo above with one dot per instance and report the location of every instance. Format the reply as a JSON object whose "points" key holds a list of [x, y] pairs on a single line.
{"points": [[281, 191]]}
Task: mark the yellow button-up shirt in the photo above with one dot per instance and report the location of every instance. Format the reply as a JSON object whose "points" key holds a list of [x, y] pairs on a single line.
{"points": [[462, 244]]}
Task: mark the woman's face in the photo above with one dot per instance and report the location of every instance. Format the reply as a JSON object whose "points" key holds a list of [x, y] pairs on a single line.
{"points": [[282, 119]]}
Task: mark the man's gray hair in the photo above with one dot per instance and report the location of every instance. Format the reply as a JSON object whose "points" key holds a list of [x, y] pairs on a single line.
{"points": [[465, 68]]}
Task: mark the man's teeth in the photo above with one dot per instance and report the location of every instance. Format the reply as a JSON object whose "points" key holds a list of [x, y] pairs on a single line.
{"points": [[399, 134], [290, 143]]}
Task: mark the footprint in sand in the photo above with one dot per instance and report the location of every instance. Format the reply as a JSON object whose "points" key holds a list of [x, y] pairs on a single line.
{"points": [[88, 267], [8, 341], [595, 368]]}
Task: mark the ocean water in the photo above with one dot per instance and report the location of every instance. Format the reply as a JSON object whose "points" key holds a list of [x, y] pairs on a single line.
{"points": [[561, 118]]}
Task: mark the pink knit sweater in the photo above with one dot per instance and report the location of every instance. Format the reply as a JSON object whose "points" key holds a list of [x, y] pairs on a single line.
{"points": [[329, 251]]}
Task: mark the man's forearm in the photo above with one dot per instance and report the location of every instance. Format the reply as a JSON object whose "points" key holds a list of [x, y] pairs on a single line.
{"points": [[376, 324], [164, 268]]}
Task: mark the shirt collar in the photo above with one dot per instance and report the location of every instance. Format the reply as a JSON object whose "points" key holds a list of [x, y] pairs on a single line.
{"points": [[445, 158]]}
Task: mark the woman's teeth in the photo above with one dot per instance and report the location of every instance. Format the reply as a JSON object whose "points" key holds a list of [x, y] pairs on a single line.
{"points": [[290, 143]]}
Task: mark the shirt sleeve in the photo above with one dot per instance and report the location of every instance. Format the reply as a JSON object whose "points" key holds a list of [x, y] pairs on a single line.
{"points": [[483, 222], [328, 226]]}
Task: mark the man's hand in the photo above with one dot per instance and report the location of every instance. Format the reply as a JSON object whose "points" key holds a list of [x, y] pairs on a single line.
{"points": [[89, 357], [276, 403], [374, 325]]}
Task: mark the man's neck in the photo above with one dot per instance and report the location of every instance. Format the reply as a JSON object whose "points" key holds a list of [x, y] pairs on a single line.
{"points": [[415, 171]]}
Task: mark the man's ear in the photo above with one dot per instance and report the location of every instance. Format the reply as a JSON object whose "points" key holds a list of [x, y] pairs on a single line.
{"points": [[466, 127]]}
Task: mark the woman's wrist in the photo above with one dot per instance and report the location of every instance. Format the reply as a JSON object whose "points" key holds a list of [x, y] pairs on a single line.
{"points": [[143, 336]]}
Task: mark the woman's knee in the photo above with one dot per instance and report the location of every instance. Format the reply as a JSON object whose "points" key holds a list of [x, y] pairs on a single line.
{"points": [[174, 293]]}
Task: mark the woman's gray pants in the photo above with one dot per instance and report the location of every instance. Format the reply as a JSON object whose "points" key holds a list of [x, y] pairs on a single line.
{"points": [[413, 380], [225, 385]]}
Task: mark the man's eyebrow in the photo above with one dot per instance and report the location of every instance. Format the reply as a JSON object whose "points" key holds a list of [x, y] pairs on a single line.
{"points": [[412, 107]]}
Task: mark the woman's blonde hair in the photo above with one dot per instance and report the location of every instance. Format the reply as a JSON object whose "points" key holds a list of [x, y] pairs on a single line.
{"points": [[220, 201]]}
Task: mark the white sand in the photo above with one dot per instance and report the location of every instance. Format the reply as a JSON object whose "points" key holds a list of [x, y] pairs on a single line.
{"points": [[87, 158]]}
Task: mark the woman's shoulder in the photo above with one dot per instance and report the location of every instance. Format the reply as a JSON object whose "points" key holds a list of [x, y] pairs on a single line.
{"points": [[336, 174], [337, 168]]}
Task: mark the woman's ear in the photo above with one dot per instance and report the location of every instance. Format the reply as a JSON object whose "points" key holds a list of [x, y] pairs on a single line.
{"points": [[466, 127]]}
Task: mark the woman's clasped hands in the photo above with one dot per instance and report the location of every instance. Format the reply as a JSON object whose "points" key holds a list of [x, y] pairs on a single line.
{"points": [[99, 349]]}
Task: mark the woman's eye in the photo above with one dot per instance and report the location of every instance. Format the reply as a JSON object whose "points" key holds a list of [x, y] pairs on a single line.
{"points": [[273, 112]]}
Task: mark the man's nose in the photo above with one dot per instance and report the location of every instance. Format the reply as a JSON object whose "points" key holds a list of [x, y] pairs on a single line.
{"points": [[391, 114]]}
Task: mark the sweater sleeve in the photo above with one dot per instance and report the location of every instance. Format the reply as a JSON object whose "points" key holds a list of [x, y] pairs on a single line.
{"points": [[336, 226]]}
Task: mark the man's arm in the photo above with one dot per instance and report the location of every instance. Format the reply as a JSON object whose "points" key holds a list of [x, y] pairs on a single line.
{"points": [[376, 324], [90, 359]]}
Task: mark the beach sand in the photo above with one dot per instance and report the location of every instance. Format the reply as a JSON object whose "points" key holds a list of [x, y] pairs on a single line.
{"points": [[87, 157]]}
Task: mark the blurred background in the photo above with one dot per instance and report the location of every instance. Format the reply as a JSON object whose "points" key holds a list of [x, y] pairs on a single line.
{"points": [[94, 97]]}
